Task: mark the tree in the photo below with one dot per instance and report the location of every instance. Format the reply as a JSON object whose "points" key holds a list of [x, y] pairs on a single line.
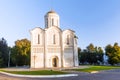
{"points": [[113, 53], [1, 60], [3, 53], [20, 53], [91, 48], [83, 57], [99, 54], [91, 55]]}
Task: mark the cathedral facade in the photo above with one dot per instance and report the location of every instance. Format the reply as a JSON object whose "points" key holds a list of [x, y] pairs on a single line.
{"points": [[52, 47]]}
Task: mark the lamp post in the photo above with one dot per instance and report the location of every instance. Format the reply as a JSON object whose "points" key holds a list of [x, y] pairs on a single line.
{"points": [[9, 58]]}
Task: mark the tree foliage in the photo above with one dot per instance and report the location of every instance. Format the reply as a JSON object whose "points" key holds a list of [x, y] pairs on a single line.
{"points": [[91, 48], [113, 53], [91, 55], [20, 53], [3, 53]]}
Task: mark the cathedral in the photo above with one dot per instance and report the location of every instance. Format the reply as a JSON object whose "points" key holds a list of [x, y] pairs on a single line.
{"points": [[53, 47]]}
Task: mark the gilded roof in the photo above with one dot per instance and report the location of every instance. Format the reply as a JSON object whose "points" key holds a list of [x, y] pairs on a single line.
{"points": [[51, 11]]}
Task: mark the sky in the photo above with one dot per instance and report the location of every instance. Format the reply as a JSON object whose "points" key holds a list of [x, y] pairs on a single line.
{"points": [[94, 21]]}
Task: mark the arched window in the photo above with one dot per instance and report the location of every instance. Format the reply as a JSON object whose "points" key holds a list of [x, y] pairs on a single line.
{"points": [[68, 42], [52, 22], [38, 38], [54, 40]]}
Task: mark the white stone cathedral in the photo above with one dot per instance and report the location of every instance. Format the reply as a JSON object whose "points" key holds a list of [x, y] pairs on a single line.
{"points": [[52, 47]]}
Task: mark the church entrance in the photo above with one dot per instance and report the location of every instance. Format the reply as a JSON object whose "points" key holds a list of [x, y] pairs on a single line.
{"points": [[55, 62]]}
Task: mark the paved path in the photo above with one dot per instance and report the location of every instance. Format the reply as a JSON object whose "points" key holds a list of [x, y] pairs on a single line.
{"points": [[103, 75], [5, 77]]}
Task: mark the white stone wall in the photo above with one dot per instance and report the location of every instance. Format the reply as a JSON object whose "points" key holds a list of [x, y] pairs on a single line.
{"points": [[68, 58], [53, 49], [51, 19], [37, 49], [37, 60], [50, 34], [76, 52], [52, 42], [50, 56], [62, 50], [34, 36]]}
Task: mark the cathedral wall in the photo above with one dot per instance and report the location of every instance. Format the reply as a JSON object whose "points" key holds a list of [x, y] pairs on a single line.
{"points": [[37, 60], [37, 48], [76, 52], [51, 47], [68, 57], [51, 20], [76, 57], [37, 37], [68, 53], [49, 59], [53, 37], [68, 38], [37, 56]]}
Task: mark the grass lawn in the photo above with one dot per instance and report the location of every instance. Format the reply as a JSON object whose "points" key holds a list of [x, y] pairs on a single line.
{"points": [[40, 72], [50, 72], [97, 68]]}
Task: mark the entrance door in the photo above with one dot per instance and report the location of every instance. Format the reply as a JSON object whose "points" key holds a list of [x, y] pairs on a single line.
{"points": [[55, 62]]}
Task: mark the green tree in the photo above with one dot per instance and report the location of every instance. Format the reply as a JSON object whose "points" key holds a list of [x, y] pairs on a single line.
{"points": [[91, 48], [99, 53], [83, 57], [113, 53], [1, 60], [20, 53], [3, 53], [91, 55]]}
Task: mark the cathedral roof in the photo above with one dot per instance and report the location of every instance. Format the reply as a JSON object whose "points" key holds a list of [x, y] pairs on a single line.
{"points": [[36, 28], [51, 12], [54, 27], [69, 30]]}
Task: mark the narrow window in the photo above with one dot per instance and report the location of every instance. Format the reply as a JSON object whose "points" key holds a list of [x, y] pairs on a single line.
{"points": [[54, 42], [38, 39], [52, 22], [68, 39]]}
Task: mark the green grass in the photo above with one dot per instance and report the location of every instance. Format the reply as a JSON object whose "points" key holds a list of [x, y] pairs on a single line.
{"points": [[40, 72], [97, 68], [50, 72]]}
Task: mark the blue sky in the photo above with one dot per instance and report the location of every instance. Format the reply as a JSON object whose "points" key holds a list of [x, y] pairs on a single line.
{"points": [[94, 21]]}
